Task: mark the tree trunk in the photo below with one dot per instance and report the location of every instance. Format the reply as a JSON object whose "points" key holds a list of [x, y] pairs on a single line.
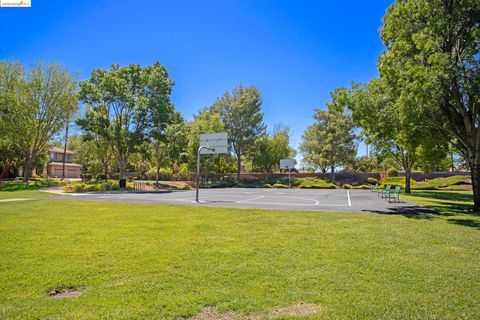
{"points": [[408, 178], [475, 174], [28, 168], [105, 170], [453, 162], [4, 171], [239, 164], [121, 166], [332, 173], [157, 176]]}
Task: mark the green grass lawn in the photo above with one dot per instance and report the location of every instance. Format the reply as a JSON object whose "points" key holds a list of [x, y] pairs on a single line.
{"points": [[168, 262], [23, 194]]}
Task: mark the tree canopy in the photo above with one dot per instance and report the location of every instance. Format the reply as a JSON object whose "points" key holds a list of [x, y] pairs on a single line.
{"points": [[126, 105], [331, 140], [431, 64], [34, 105], [268, 150], [242, 116]]}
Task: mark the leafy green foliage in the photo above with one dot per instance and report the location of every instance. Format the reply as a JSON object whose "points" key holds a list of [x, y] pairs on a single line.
{"points": [[125, 106], [433, 184], [314, 183], [92, 186], [331, 140], [362, 186], [267, 151], [34, 107], [241, 113], [392, 172], [431, 64], [207, 121]]}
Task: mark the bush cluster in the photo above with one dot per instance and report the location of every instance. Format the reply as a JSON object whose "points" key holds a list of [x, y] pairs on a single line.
{"points": [[392, 172], [93, 186], [434, 184], [280, 186], [314, 183]]}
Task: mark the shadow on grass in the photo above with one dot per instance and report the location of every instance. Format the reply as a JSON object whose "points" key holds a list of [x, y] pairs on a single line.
{"points": [[410, 211], [449, 196], [11, 187], [466, 223]]}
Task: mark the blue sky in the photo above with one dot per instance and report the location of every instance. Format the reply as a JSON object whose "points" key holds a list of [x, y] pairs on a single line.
{"points": [[295, 52]]}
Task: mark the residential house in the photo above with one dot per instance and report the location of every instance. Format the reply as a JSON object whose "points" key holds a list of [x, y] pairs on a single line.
{"points": [[55, 164]]}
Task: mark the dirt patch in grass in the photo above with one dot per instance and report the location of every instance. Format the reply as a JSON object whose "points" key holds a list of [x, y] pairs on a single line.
{"points": [[211, 313], [65, 292], [300, 309]]}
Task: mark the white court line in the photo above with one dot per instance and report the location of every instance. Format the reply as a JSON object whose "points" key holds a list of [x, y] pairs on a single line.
{"points": [[250, 199], [300, 198], [298, 204], [348, 196]]}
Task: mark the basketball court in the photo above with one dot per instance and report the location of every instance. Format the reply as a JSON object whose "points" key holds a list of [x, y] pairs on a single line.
{"points": [[337, 200]]}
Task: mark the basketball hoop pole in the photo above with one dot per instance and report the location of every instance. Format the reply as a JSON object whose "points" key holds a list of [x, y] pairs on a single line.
{"points": [[198, 167], [288, 177]]}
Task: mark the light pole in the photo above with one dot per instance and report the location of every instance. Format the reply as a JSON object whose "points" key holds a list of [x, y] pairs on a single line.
{"points": [[198, 167]]}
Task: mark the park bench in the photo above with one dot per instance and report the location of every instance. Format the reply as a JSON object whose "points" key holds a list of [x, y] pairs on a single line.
{"points": [[385, 191], [394, 194]]}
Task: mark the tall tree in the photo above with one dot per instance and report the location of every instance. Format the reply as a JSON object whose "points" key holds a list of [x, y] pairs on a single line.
{"points": [[93, 153], [241, 113], [207, 120], [169, 147], [268, 150], [431, 62], [34, 107], [395, 126], [331, 140], [120, 101]]}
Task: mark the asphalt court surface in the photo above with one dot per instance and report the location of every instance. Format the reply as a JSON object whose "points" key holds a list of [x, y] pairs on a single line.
{"points": [[335, 200]]}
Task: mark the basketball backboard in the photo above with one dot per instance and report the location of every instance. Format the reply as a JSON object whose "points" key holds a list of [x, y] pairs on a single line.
{"points": [[216, 141]]}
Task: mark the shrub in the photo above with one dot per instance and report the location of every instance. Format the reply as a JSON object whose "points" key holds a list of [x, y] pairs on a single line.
{"points": [[93, 186], [319, 186], [314, 183], [392, 172], [363, 186], [78, 187], [434, 184], [228, 179], [371, 180], [280, 185], [218, 184], [249, 184], [450, 181], [347, 186], [101, 177], [267, 185]]}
